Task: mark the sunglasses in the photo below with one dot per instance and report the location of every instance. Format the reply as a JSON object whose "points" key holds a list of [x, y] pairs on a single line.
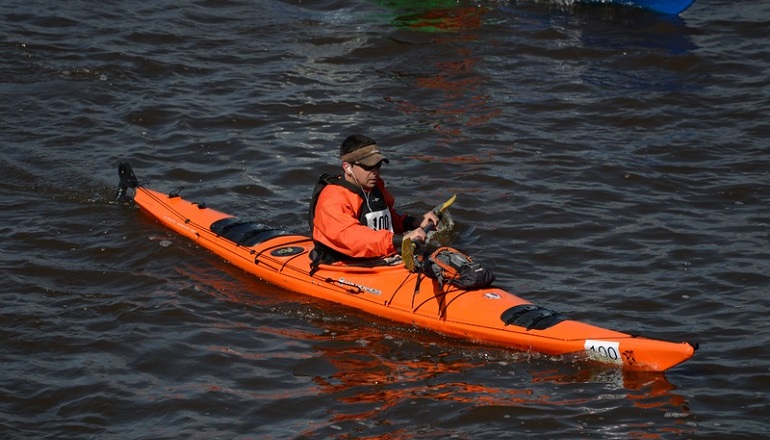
{"points": [[369, 167]]}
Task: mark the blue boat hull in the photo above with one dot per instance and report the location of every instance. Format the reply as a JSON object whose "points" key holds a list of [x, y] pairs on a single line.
{"points": [[672, 7]]}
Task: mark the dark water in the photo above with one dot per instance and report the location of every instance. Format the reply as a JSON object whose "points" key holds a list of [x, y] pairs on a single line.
{"points": [[611, 164]]}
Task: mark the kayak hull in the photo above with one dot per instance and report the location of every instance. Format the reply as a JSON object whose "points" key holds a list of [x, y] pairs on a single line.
{"points": [[490, 315]]}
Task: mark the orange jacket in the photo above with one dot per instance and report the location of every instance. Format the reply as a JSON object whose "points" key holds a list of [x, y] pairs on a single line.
{"points": [[336, 224]]}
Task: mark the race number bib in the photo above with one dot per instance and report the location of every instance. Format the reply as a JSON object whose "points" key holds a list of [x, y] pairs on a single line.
{"points": [[379, 220]]}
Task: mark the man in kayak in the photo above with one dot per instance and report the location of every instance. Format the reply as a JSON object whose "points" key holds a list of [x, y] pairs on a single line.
{"points": [[352, 215]]}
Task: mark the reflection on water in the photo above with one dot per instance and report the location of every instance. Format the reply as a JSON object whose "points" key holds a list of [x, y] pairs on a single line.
{"points": [[434, 15], [380, 376], [457, 77]]}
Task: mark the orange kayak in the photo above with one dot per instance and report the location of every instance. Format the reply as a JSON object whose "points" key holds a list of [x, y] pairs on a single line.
{"points": [[489, 315]]}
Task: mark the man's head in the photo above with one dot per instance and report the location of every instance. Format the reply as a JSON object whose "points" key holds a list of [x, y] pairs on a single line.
{"points": [[361, 160], [359, 149]]}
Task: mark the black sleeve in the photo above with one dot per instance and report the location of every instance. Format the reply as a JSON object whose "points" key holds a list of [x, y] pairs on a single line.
{"points": [[410, 223], [397, 240]]}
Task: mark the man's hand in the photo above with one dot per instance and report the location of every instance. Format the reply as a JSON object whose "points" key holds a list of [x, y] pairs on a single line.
{"points": [[417, 235], [429, 220]]}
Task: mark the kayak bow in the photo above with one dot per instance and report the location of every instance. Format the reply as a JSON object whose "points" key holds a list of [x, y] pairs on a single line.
{"points": [[490, 315]]}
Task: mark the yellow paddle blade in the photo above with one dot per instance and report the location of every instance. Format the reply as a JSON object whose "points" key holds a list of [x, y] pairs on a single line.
{"points": [[407, 254], [442, 207]]}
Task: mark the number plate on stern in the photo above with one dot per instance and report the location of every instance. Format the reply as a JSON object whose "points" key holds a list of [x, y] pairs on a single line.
{"points": [[605, 351]]}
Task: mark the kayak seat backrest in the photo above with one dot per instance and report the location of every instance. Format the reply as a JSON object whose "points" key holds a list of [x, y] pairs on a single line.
{"points": [[245, 233], [531, 316]]}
